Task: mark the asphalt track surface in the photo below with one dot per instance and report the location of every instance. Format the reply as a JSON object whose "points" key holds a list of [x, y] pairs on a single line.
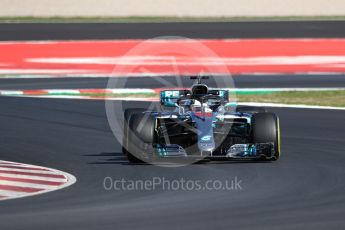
{"points": [[304, 190], [263, 29], [239, 81]]}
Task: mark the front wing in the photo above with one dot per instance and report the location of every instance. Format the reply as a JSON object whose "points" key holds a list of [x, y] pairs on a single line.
{"points": [[236, 151]]}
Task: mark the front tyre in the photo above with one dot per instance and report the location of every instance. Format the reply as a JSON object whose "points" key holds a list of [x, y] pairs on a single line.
{"points": [[266, 129], [126, 120], [140, 135]]}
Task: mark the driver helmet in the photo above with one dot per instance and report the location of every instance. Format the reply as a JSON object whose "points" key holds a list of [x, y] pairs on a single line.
{"points": [[196, 106]]}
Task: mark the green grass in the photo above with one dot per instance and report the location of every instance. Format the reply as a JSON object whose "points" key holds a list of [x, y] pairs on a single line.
{"points": [[132, 19], [323, 98]]}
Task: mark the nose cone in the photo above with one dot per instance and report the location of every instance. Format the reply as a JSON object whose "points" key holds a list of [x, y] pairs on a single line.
{"points": [[205, 133], [206, 144]]}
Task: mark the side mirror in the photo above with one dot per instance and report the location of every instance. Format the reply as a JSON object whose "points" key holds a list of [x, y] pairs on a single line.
{"points": [[169, 98]]}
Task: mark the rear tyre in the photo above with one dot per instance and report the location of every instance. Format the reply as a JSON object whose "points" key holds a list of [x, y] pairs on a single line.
{"points": [[265, 128]]}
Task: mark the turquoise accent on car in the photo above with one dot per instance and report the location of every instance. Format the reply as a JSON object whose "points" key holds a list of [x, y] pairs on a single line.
{"points": [[231, 104]]}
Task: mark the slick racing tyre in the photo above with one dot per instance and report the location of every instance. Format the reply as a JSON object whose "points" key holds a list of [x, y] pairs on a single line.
{"points": [[265, 129], [126, 118], [140, 133]]}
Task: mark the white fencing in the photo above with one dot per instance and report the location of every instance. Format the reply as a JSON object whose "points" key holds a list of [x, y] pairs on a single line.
{"points": [[181, 8]]}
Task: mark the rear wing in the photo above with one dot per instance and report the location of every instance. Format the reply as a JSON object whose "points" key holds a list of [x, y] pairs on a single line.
{"points": [[169, 97], [199, 78]]}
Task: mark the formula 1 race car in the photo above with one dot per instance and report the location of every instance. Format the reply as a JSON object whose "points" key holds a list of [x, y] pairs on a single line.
{"points": [[200, 123]]}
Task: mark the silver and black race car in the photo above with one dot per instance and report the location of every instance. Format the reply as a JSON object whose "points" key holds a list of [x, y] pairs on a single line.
{"points": [[197, 124]]}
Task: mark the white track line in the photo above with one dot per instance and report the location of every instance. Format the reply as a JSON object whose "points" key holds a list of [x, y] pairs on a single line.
{"points": [[153, 99], [291, 106], [285, 89], [23, 94]]}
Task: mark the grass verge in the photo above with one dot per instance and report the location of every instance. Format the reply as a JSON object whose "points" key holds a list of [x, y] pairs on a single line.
{"points": [[334, 98]]}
